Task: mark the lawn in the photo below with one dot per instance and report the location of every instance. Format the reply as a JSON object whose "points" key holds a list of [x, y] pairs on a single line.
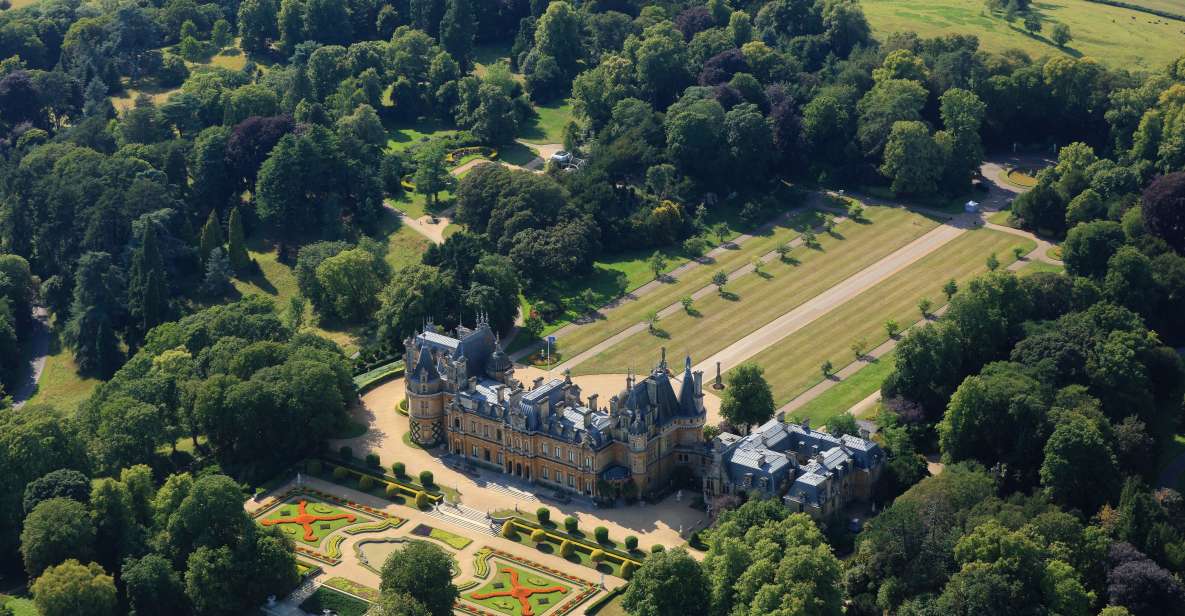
{"points": [[792, 365], [630, 271], [404, 245], [494, 593], [130, 93], [1175, 7], [277, 281], [323, 519], [753, 300], [453, 540], [1032, 267], [1002, 217], [328, 599], [415, 204], [60, 384], [549, 126], [403, 136], [1116, 36], [845, 394], [20, 606]]}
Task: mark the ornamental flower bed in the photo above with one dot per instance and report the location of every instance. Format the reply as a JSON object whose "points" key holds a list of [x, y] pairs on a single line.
{"points": [[482, 151], [584, 589], [582, 549]]}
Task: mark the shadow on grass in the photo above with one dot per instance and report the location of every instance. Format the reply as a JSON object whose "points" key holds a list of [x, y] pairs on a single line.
{"points": [[730, 296], [516, 154], [764, 274], [693, 313], [659, 332]]}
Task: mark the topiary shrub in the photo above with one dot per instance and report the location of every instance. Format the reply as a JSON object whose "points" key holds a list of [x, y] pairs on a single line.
{"points": [[340, 472], [538, 535], [399, 469], [567, 548], [366, 483], [372, 460], [422, 500], [508, 530], [628, 568], [631, 542], [426, 479], [656, 548], [602, 534], [346, 453], [571, 524], [313, 467], [391, 491], [597, 556], [544, 515]]}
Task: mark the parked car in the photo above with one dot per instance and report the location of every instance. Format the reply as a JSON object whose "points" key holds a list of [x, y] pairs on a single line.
{"points": [[562, 157]]}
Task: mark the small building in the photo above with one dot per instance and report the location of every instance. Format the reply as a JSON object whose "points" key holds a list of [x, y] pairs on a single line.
{"points": [[809, 470], [971, 207]]}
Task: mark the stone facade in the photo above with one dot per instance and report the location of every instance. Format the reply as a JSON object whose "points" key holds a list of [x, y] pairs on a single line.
{"points": [[461, 391], [811, 471]]}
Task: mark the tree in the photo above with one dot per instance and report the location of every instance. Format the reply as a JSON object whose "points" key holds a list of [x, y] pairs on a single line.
{"points": [[687, 301], [94, 311], [257, 21], [211, 235], [748, 399], [1137, 583], [720, 279], [61, 483], [55, 530], [657, 263], [236, 249], [859, 348], [400, 605], [75, 589], [216, 282], [950, 288], [153, 587], [913, 160], [962, 114], [220, 34], [415, 293], [992, 262], [432, 174], [457, 28], [670, 583], [351, 281], [495, 120], [652, 319], [1079, 469], [827, 369], [1089, 246], [892, 328], [148, 289], [1164, 209], [888, 102], [1032, 22], [1060, 34], [558, 35], [424, 572], [924, 306]]}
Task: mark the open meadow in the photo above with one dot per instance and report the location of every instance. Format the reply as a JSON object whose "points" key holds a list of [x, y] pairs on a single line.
{"points": [[1115, 36]]}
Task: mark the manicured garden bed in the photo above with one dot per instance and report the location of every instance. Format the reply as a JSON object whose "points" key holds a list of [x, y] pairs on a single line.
{"points": [[515, 591], [453, 540], [309, 520]]}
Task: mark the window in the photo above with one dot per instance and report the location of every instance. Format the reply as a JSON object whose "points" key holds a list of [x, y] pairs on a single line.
{"points": [[475, 451], [546, 473], [457, 423], [587, 462], [571, 480], [559, 452], [486, 431], [572, 456], [499, 457], [473, 426], [499, 436]]}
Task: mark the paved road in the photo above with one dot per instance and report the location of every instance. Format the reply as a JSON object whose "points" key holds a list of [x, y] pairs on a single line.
{"points": [[39, 345], [823, 303]]}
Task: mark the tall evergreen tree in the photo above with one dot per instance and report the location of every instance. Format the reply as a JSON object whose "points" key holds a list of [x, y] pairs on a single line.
{"points": [[211, 235], [237, 243], [94, 308], [148, 300], [457, 29]]}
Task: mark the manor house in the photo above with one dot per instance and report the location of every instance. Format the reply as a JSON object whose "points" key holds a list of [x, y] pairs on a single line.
{"points": [[461, 392]]}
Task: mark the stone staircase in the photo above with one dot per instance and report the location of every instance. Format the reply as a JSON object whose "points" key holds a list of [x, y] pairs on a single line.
{"points": [[465, 517]]}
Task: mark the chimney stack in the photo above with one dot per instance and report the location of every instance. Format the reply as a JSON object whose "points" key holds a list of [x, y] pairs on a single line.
{"points": [[592, 402], [781, 416], [538, 381]]}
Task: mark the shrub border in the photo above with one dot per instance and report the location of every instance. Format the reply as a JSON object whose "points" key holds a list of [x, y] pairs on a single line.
{"points": [[587, 589]]}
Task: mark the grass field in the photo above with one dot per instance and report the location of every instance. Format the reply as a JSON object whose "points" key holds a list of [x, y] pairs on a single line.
{"points": [[403, 136], [845, 394], [1040, 266], [792, 365], [404, 245], [60, 384], [549, 126], [20, 606], [755, 300], [1115, 36], [1168, 6]]}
